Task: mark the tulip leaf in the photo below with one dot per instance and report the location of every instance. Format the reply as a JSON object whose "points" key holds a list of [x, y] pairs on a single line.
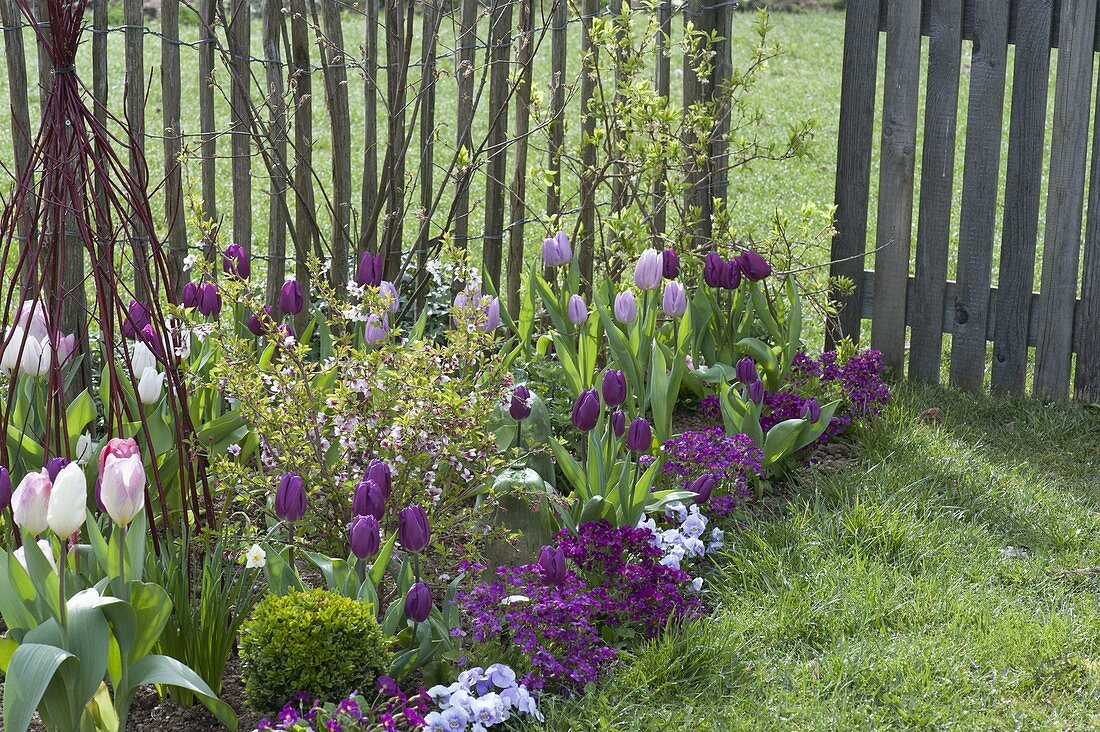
{"points": [[620, 347], [87, 640], [794, 325], [79, 414], [30, 671], [19, 598], [781, 439], [816, 429], [170, 672], [572, 470], [151, 606], [382, 561], [568, 361]]}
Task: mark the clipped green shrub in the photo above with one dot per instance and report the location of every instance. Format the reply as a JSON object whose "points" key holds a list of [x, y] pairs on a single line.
{"points": [[316, 642]]}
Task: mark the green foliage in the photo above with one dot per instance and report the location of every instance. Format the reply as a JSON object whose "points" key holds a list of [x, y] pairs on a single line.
{"points": [[317, 642]]}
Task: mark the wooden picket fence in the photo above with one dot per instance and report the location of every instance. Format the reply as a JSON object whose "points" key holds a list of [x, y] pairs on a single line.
{"points": [[1061, 320]]}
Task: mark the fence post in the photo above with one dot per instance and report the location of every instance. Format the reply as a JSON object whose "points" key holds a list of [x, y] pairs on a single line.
{"points": [[525, 58], [239, 31], [176, 236], [273, 28], [587, 224], [394, 175], [305, 234], [335, 73], [500, 34], [135, 122], [431, 13], [368, 232], [464, 75]]}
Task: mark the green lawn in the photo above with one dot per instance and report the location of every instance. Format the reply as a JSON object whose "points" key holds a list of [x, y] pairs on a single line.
{"points": [[882, 595]]}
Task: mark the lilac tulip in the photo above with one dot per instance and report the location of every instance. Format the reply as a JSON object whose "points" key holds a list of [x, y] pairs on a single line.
{"points": [[586, 410], [210, 300], [369, 273], [674, 301], [379, 471], [614, 388], [5, 488], [31, 317], [30, 501], [190, 296], [702, 487], [618, 422], [413, 530], [65, 348], [376, 329], [639, 436], [492, 316], [556, 250], [364, 537], [648, 270], [291, 298], [122, 482], [577, 310], [626, 307], [369, 499], [753, 266], [520, 407], [670, 264], [418, 603], [290, 498], [552, 566], [390, 295], [235, 261], [746, 371]]}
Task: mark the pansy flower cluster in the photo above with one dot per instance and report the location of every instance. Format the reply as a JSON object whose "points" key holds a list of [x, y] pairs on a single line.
{"points": [[393, 711], [688, 540], [480, 699], [616, 583]]}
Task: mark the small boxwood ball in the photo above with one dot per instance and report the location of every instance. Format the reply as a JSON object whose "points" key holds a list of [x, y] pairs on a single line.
{"points": [[317, 642]]}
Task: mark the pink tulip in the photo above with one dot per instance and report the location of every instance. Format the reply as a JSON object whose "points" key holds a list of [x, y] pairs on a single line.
{"points": [[123, 488], [117, 447]]}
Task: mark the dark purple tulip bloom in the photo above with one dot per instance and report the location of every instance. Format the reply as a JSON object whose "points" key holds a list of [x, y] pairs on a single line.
{"points": [[5, 488], [413, 529], [586, 410], [671, 264], [150, 338], [284, 331], [418, 603], [746, 371], [210, 300], [639, 437], [235, 261], [614, 388], [702, 487], [137, 317], [552, 566], [190, 296], [380, 473], [520, 408], [259, 323], [369, 273], [364, 537], [291, 299], [99, 496], [618, 422], [731, 275], [713, 264], [368, 500], [55, 466], [290, 498], [811, 410], [756, 392], [753, 266]]}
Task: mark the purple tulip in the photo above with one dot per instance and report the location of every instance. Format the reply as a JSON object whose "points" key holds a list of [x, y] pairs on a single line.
{"points": [[210, 300], [418, 603], [648, 270], [586, 410], [379, 471], [151, 339], [674, 301], [756, 392], [492, 316], [702, 487], [556, 250], [731, 275], [285, 333], [520, 408], [639, 437], [753, 266], [364, 537], [190, 296], [369, 499], [369, 273], [413, 530], [746, 371], [376, 329], [713, 265], [137, 317], [262, 321], [670, 263], [5, 488], [618, 422], [811, 410], [99, 495], [614, 388], [389, 292], [291, 299], [552, 566], [578, 311], [626, 307], [54, 466], [235, 261], [290, 498]]}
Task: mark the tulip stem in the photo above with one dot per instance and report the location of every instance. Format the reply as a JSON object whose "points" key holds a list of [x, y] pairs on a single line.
{"points": [[519, 441], [62, 600], [122, 593]]}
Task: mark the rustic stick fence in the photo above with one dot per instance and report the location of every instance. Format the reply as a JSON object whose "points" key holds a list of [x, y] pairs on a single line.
{"points": [[909, 285], [274, 80]]}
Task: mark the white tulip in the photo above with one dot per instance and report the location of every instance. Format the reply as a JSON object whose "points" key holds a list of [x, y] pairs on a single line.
{"points": [[9, 361], [84, 449], [30, 501], [142, 359], [150, 386], [68, 501], [46, 549], [36, 360]]}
